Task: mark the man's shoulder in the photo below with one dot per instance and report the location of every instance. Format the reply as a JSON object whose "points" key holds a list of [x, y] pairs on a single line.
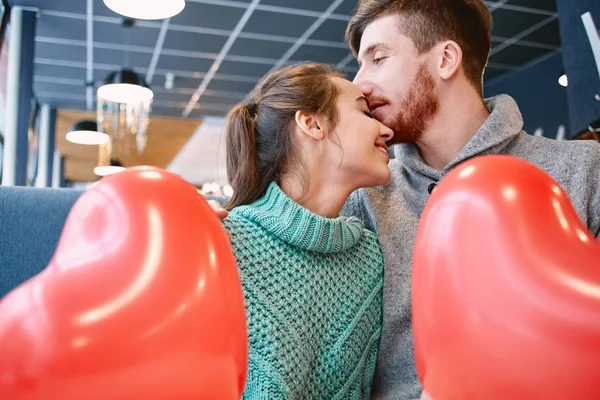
{"points": [[567, 150]]}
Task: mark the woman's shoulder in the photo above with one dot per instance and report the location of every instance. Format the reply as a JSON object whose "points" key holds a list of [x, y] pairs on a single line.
{"points": [[246, 232], [237, 222]]}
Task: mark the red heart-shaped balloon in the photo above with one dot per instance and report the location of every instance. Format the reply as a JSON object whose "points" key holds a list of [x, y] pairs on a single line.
{"points": [[141, 300], [506, 288]]}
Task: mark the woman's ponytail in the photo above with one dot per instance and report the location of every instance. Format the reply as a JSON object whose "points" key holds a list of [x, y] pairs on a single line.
{"points": [[243, 170]]}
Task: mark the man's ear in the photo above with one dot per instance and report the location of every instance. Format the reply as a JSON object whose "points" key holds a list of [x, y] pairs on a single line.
{"points": [[310, 124], [450, 59]]}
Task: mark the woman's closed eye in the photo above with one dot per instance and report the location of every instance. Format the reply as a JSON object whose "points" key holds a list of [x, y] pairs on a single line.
{"points": [[369, 114]]}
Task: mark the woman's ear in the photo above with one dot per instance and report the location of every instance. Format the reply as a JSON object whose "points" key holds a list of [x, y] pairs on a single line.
{"points": [[310, 125]]}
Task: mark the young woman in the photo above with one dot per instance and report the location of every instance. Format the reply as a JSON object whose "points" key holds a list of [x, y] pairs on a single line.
{"points": [[312, 280]]}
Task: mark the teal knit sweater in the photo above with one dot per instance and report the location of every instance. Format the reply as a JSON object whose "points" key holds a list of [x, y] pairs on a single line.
{"points": [[313, 292]]}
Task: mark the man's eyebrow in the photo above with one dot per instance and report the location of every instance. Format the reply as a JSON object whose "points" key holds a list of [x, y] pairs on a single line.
{"points": [[365, 99]]}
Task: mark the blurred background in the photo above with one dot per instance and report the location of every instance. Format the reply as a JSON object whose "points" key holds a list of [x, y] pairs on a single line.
{"points": [[97, 84]]}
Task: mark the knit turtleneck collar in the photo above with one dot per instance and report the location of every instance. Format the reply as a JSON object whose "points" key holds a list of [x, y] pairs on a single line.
{"points": [[300, 227]]}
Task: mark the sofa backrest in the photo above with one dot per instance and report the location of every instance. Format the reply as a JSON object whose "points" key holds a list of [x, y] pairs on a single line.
{"points": [[31, 222]]}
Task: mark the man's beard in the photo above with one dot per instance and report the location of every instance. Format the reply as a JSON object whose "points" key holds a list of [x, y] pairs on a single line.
{"points": [[416, 110]]}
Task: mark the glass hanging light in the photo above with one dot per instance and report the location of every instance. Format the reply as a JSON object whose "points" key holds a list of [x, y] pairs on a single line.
{"points": [[123, 109], [107, 162]]}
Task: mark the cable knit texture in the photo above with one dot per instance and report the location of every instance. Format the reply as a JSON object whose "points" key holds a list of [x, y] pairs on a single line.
{"points": [[313, 291]]}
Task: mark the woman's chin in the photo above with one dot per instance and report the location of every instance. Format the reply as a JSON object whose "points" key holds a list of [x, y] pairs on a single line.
{"points": [[383, 177]]}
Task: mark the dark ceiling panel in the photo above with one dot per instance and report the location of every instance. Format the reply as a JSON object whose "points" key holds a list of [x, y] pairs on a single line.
{"points": [[190, 41], [78, 6], [58, 71], [347, 7], [127, 58], [244, 69], [231, 86], [350, 75], [547, 5], [116, 33], [187, 83], [59, 88], [198, 65], [209, 16], [278, 24], [60, 52], [547, 34], [332, 31], [60, 27], [174, 97], [259, 48], [492, 73], [508, 23], [518, 55], [316, 53], [312, 5], [353, 64], [62, 103], [217, 99]]}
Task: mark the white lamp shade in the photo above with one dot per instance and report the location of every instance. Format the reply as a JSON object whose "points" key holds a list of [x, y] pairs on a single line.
{"points": [[104, 170], [125, 93], [563, 80], [86, 132], [146, 9], [87, 137]]}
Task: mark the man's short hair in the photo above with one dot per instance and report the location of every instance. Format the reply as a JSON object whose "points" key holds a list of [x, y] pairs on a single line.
{"points": [[428, 22]]}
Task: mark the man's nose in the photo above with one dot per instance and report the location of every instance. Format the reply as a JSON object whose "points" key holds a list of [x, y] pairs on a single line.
{"points": [[362, 83]]}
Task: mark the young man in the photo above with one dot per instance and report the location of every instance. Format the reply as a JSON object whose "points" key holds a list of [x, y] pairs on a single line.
{"points": [[421, 68]]}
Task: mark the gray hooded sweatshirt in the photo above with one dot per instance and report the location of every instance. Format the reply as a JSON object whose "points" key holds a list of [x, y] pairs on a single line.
{"points": [[393, 211]]}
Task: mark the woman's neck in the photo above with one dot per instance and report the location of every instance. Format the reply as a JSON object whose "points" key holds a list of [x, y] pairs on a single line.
{"points": [[322, 197]]}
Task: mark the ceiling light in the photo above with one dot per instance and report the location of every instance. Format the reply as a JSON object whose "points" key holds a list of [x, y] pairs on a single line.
{"points": [[146, 9], [124, 105], [104, 170], [86, 132], [563, 81], [125, 86]]}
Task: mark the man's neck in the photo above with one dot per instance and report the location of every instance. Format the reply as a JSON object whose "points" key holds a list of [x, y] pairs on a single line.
{"points": [[457, 121]]}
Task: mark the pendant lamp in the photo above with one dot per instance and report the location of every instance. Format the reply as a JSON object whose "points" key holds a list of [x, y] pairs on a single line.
{"points": [[146, 9], [86, 132], [123, 108], [107, 163]]}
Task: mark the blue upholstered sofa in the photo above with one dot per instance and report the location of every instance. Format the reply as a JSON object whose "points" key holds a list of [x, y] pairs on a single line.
{"points": [[31, 222]]}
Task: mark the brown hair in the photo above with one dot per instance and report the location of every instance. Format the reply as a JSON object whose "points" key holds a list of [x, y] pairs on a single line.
{"points": [[428, 22], [259, 134]]}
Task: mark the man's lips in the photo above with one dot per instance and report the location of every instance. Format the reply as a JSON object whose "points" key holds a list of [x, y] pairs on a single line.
{"points": [[375, 106]]}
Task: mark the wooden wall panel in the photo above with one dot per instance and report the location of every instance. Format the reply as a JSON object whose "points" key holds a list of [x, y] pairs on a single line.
{"points": [[166, 138]]}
